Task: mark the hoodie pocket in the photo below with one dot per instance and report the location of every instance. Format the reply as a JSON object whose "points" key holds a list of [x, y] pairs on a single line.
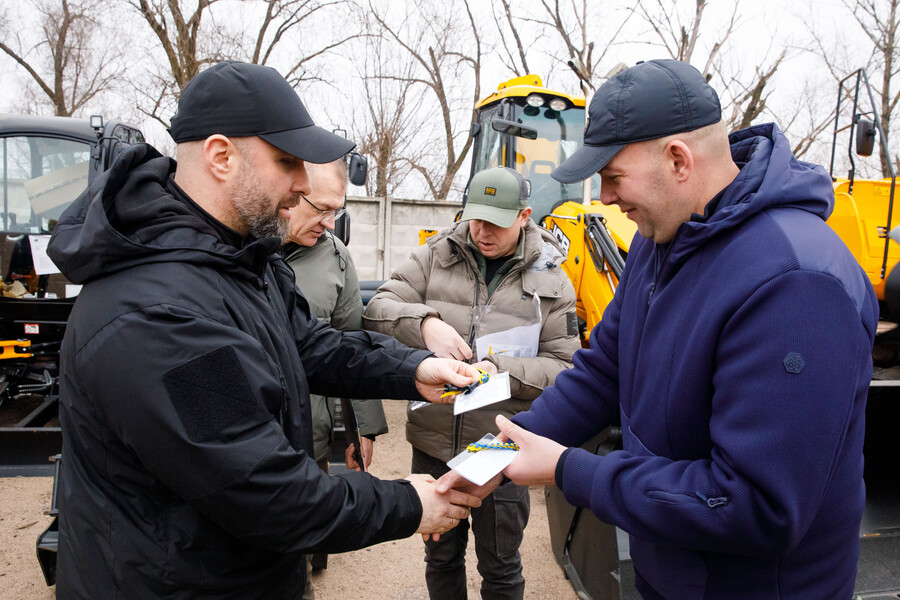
{"points": [[665, 497]]}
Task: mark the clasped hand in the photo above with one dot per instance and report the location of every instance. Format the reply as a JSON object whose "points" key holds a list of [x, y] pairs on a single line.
{"points": [[440, 511]]}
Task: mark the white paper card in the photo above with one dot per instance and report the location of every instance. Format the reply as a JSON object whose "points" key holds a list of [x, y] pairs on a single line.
{"points": [[479, 467], [495, 390], [42, 263], [519, 342]]}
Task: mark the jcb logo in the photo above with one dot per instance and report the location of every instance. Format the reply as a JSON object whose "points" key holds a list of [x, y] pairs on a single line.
{"points": [[561, 238]]}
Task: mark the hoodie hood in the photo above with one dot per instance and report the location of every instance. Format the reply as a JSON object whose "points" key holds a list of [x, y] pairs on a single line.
{"points": [[129, 216], [770, 177]]}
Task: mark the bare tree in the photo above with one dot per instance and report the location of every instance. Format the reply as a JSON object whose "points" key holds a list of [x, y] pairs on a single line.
{"points": [[210, 31], [62, 62], [569, 21], [879, 21], [811, 117], [507, 55], [177, 32], [679, 26], [435, 40], [284, 17], [748, 100], [386, 124], [680, 38]]}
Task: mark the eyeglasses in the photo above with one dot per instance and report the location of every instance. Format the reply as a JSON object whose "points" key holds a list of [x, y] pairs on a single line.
{"points": [[326, 215]]}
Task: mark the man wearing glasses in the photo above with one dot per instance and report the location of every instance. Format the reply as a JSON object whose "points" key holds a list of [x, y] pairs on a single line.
{"points": [[325, 273]]}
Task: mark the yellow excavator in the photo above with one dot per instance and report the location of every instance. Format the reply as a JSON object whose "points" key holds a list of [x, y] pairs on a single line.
{"points": [[532, 129], [864, 208]]}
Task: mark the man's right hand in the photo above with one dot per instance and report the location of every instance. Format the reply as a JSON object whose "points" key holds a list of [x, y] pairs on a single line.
{"points": [[443, 340], [451, 480], [440, 512]]}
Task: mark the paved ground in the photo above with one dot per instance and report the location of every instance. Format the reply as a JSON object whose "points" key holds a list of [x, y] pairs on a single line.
{"points": [[392, 570]]}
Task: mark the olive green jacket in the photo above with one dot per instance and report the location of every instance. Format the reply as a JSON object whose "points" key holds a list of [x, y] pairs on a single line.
{"points": [[327, 277], [445, 278]]}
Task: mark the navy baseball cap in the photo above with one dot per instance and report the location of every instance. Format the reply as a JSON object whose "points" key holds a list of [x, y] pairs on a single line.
{"points": [[650, 100], [238, 99]]}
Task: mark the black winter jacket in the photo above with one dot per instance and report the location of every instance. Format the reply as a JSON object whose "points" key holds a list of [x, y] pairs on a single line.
{"points": [[186, 370]]}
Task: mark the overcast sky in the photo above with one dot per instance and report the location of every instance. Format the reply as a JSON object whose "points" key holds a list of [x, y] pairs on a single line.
{"points": [[765, 27]]}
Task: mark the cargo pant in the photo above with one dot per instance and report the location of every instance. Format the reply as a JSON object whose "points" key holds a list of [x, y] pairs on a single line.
{"points": [[498, 526]]}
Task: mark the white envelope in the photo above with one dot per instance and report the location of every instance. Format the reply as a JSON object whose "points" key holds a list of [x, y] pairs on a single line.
{"points": [[479, 467], [495, 390]]}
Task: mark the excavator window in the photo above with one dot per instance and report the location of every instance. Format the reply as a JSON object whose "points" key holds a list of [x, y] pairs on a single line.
{"points": [[41, 176]]}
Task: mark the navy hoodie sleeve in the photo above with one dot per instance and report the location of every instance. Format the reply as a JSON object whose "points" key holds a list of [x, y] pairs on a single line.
{"points": [[584, 400], [216, 445], [778, 427]]}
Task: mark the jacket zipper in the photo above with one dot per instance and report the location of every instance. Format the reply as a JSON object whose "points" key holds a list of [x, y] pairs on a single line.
{"points": [[658, 265], [681, 497], [714, 502], [457, 424], [282, 417]]}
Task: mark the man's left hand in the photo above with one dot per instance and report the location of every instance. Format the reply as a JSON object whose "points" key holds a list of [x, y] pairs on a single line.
{"points": [[432, 373]]}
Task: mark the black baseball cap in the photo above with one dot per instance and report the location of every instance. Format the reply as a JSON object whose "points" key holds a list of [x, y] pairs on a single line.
{"points": [[650, 100], [238, 99]]}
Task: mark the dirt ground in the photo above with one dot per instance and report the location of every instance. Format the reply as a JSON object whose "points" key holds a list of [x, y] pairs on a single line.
{"points": [[391, 570]]}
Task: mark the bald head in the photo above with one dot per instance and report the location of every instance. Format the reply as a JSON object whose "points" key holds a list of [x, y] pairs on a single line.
{"points": [[701, 161], [709, 143]]}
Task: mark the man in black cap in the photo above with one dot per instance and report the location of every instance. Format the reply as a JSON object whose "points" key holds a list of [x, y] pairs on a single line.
{"points": [[735, 356], [189, 358]]}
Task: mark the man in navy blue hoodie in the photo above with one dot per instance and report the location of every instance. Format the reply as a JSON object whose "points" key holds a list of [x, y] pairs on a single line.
{"points": [[735, 356]]}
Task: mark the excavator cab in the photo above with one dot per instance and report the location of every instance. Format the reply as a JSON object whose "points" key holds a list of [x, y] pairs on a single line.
{"points": [[45, 164], [532, 129]]}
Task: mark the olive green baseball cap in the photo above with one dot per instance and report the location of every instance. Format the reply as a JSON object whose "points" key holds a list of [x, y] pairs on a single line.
{"points": [[496, 195]]}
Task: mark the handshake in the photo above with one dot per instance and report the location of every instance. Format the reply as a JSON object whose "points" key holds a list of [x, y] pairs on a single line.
{"points": [[448, 500], [442, 507]]}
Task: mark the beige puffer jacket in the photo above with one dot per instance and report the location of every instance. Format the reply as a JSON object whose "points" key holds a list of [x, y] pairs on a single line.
{"points": [[443, 279]]}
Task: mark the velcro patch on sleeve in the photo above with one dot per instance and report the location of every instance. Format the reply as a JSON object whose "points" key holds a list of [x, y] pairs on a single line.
{"points": [[210, 393], [571, 324]]}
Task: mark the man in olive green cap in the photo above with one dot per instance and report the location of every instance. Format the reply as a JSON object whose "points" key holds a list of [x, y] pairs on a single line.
{"points": [[490, 290]]}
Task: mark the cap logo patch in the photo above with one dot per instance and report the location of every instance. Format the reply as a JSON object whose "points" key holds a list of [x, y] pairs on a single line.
{"points": [[489, 191]]}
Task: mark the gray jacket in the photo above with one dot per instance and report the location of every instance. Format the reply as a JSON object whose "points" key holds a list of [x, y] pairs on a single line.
{"points": [[445, 278], [326, 275]]}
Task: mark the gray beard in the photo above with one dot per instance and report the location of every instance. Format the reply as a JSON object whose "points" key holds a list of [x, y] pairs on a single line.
{"points": [[252, 206], [263, 225]]}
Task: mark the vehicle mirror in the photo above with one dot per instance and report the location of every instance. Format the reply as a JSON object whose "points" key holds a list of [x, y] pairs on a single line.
{"points": [[359, 168], [865, 137], [475, 129], [514, 129]]}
